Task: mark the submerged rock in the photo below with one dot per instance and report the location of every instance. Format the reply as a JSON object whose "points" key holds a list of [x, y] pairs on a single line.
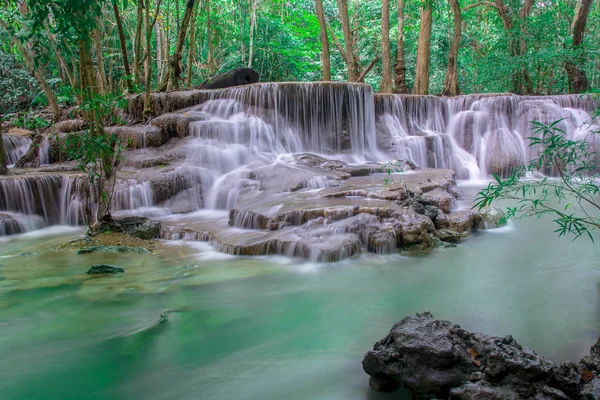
{"points": [[104, 269], [113, 249], [438, 359]]}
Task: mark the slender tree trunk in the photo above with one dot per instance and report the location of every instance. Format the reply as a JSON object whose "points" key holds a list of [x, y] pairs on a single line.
{"points": [[423, 51], [40, 77], [578, 81], [400, 67], [102, 81], [191, 55], [147, 98], [37, 73], [348, 40], [137, 50], [3, 157], [211, 48], [325, 57], [386, 62], [123, 45], [171, 80], [252, 25], [451, 82]]}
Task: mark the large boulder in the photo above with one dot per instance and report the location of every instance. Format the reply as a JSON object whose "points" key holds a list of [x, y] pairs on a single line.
{"points": [[491, 218], [236, 77], [437, 359], [412, 228]]}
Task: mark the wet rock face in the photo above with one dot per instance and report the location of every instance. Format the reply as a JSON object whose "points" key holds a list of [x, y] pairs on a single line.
{"points": [[491, 218], [437, 359], [140, 227]]}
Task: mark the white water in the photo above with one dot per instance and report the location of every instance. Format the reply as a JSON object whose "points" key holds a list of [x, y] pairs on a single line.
{"points": [[247, 133], [476, 135]]}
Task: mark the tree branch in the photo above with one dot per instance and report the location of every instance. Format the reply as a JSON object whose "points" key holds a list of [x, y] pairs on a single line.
{"points": [[363, 75], [337, 43]]}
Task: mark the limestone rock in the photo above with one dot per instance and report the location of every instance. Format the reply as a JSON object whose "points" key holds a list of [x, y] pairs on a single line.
{"points": [[491, 218], [437, 359]]}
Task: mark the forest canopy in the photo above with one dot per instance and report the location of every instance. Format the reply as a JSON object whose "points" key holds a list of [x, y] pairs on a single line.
{"points": [[52, 51]]}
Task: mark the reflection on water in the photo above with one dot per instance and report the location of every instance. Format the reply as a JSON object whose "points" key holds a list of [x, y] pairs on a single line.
{"points": [[271, 327]]}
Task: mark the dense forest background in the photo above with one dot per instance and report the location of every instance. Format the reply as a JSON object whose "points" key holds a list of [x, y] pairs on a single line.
{"points": [[52, 49]]}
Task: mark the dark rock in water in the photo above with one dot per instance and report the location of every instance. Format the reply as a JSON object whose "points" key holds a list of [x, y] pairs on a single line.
{"points": [[113, 249], [437, 359], [104, 269], [140, 227], [463, 221], [449, 236], [236, 77]]}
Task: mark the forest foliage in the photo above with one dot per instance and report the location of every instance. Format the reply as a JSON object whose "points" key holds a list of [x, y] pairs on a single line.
{"points": [[41, 40]]}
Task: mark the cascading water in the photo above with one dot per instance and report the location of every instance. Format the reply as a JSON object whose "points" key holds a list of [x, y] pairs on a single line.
{"points": [[256, 125], [475, 135], [15, 146], [240, 135]]}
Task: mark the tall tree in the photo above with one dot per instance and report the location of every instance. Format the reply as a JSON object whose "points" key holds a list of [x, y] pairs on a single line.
{"points": [[252, 27], [578, 81], [3, 169], [451, 81], [400, 67], [386, 62], [325, 57], [137, 43], [192, 48], [424, 50], [148, 80], [123, 44], [349, 55]]}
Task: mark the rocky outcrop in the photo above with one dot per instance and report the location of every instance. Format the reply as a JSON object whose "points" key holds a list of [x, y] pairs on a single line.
{"points": [[140, 227], [438, 359]]}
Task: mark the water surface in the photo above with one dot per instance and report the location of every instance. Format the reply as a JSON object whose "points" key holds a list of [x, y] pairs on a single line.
{"points": [[271, 328]]}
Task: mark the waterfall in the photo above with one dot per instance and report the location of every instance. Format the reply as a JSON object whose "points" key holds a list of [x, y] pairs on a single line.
{"points": [[15, 147], [476, 135], [241, 139], [255, 125]]}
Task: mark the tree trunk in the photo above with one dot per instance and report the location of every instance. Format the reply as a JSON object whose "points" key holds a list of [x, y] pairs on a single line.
{"points": [[400, 67], [3, 169], [325, 57], [578, 81], [147, 98], [191, 55], [451, 82], [211, 48], [171, 80], [40, 77], [37, 73], [386, 62], [137, 50], [423, 51], [123, 45], [349, 40], [252, 24], [176, 66], [102, 81]]}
